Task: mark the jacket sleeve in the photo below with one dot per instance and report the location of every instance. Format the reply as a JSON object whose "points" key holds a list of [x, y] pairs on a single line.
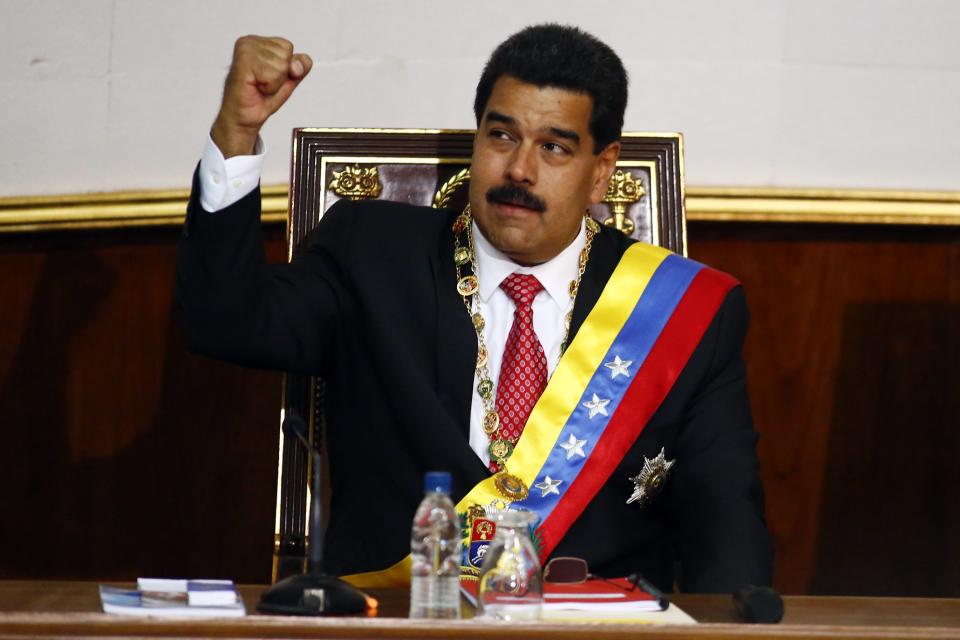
{"points": [[235, 306], [718, 518]]}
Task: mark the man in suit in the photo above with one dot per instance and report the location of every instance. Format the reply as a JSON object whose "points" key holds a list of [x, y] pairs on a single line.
{"points": [[375, 305]]}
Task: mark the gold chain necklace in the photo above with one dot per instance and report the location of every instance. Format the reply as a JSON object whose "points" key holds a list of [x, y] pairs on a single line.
{"points": [[500, 448]]}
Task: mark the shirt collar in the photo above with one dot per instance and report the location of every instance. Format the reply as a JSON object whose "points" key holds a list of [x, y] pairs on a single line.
{"points": [[555, 274]]}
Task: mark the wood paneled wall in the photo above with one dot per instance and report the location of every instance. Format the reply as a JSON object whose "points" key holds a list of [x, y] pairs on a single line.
{"points": [[124, 455], [854, 371]]}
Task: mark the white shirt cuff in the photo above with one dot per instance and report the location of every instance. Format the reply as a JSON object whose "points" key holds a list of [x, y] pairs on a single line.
{"points": [[224, 181]]}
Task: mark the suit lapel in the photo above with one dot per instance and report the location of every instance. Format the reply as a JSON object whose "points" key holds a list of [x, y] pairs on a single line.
{"points": [[456, 345]]}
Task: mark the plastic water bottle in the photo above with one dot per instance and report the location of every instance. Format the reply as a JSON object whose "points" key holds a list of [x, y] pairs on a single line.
{"points": [[435, 552]]}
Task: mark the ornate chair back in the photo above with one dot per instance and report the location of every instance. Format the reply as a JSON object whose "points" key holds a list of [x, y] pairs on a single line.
{"points": [[432, 168]]}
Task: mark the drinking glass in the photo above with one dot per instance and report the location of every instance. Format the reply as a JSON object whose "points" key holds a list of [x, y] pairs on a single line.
{"points": [[511, 586]]}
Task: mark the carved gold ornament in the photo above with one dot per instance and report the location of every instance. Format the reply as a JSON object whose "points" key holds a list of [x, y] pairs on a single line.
{"points": [[622, 191], [444, 194], [356, 182]]}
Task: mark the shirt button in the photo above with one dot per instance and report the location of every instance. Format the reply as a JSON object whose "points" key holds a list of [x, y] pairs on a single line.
{"points": [[237, 184], [215, 178]]}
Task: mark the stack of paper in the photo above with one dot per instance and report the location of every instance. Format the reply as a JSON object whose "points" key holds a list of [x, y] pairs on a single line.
{"points": [[162, 597], [612, 600]]}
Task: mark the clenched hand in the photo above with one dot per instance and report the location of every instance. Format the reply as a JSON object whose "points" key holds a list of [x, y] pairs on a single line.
{"points": [[262, 76]]}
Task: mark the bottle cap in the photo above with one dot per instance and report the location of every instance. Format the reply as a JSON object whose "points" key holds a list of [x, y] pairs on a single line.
{"points": [[437, 481]]}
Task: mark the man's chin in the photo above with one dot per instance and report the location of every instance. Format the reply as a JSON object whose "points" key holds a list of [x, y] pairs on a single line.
{"points": [[516, 244]]}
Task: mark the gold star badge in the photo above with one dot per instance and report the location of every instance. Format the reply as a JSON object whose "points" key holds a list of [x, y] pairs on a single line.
{"points": [[651, 478]]}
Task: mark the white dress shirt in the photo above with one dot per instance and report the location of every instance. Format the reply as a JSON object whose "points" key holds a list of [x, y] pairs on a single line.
{"points": [[550, 309], [225, 181]]}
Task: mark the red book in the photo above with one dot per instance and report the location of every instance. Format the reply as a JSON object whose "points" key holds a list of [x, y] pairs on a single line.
{"points": [[614, 594]]}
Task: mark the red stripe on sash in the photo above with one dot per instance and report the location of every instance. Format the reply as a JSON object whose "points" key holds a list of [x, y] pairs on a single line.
{"points": [[651, 384]]}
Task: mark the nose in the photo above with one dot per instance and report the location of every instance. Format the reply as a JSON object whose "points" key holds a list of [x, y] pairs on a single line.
{"points": [[522, 165]]}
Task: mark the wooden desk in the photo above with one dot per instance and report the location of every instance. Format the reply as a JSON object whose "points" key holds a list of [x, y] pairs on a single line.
{"points": [[44, 609]]}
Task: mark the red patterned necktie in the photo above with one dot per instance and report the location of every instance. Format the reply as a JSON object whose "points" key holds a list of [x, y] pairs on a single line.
{"points": [[523, 371]]}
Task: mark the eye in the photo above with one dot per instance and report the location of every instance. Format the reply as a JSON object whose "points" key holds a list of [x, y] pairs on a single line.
{"points": [[499, 134], [555, 148]]}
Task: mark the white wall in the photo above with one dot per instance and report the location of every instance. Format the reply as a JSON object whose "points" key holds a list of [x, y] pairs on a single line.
{"points": [[100, 95]]}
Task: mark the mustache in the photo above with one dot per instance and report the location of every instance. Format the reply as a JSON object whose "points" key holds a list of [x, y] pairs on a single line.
{"points": [[516, 195]]}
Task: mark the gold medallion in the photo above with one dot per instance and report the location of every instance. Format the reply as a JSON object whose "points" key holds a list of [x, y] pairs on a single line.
{"points": [[485, 388], [468, 285], [481, 357], [500, 450], [478, 322], [461, 256], [461, 223], [491, 422], [510, 486]]}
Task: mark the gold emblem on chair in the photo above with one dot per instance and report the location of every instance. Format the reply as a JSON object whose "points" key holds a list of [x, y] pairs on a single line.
{"points": [[444, 194], [622, 191], [356, 182]]}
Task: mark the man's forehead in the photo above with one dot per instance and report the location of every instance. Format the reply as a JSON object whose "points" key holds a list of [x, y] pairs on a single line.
{"points": [[518, 103]]}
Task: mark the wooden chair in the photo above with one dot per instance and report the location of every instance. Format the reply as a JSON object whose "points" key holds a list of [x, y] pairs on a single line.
{"points": [[432, 168]]}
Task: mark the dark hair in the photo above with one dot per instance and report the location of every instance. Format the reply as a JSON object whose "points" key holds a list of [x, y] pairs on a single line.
{"points": [[553, 55]]}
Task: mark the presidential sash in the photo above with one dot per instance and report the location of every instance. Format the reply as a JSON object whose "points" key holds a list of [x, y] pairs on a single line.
{"points": [[620, 366]]}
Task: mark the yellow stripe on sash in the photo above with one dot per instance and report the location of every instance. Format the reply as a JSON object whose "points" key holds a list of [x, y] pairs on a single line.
{"points": [[582, 359], [396, 576], [574, 371]]}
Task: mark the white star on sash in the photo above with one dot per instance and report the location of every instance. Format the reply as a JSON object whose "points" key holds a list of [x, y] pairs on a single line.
{"points": [[618, 367], [548, 486], [597, 405], [574, 447]]}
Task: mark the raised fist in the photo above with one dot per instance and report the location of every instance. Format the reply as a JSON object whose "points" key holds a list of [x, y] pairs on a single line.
{"points": [[263, 74]]}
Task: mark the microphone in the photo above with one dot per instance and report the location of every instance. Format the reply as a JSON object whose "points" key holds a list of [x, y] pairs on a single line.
{"points": [[637, 580], [313, 593], [758, 604]]}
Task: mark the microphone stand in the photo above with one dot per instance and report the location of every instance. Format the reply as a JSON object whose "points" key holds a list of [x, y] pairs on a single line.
{"points": [[313, 593]]}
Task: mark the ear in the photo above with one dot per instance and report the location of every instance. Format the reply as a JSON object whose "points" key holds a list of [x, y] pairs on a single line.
{"points": [[606, 164]]}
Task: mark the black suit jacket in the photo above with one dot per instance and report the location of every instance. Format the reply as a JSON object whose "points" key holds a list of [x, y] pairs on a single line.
{"points": [[371, 306]]}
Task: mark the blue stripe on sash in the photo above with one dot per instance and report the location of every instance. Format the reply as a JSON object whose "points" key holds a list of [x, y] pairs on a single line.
{"points": [[634, 342]]}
